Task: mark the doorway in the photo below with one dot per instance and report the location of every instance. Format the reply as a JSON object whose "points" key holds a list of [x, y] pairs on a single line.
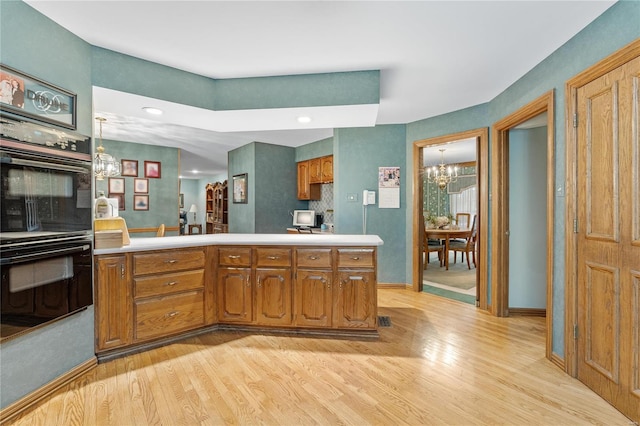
{"points": [[500, 216], [481, 138]]}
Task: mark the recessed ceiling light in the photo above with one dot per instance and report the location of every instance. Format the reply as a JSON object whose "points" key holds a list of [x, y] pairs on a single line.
{"points": [[304, 119], [152, 110]]}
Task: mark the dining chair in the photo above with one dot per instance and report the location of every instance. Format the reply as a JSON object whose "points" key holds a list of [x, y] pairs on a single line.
{"points": [[467, 246], [160, 232], [463, 220], [432, 246]]}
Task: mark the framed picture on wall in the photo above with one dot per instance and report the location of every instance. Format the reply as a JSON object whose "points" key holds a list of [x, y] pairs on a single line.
{"points": [[141, 186], [141, 202], [240, 188], [116, 185], [152, 169], [129, 168], [181, 201], [31, 97]]}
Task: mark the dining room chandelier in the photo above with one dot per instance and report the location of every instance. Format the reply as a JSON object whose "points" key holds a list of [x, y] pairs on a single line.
{"points": [[104, 165], [442, 175]]}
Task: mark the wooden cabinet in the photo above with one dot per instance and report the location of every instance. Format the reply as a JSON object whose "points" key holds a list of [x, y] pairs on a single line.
{"points": [[168, 292], [273, 286], [235, 289], [306, 190], [148, 298], [327, 169], [217, 214], [356, 304], [113, 302], [313, 287], [315, 170]]}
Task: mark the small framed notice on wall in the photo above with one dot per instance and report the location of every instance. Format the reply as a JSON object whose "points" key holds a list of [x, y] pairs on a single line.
{"points": [[389, 187]]}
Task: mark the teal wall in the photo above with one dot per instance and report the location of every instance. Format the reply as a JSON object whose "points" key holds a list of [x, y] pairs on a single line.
{"points": [[35, 45], [272, 174], [163, 192], [357, 155], [316, 149]]}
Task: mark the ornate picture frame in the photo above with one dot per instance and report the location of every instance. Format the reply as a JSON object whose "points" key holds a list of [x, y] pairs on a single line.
{"points": [[240, 188]]}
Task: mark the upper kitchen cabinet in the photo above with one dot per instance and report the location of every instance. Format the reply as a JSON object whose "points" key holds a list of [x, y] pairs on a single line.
{"points": [[306, 190], [326, 167]]}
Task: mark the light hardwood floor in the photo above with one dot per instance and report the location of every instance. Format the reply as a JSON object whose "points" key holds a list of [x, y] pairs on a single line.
{"points": [[440, 362]]}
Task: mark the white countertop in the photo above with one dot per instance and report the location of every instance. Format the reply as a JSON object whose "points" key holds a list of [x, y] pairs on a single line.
{"points": [[160, 243]]}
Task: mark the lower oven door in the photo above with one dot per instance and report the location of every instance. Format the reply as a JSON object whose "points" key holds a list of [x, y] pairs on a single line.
{"points": [[43, 282]]}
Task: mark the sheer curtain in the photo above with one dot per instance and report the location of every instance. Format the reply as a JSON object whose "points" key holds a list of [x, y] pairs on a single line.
{"points": [[464, 202]]}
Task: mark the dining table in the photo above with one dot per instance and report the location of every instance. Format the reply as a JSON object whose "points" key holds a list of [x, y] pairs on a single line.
{"points": [[446, 234]]}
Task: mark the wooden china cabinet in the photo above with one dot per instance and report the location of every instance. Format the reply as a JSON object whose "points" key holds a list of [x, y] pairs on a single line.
{"points": [[217, 208]]}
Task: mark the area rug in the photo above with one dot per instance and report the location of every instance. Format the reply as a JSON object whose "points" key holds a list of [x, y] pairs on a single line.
{"points": [[449, 294], [458, 275]]}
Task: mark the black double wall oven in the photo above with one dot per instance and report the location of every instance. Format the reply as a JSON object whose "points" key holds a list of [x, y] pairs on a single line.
{"points": [[45, 225]]}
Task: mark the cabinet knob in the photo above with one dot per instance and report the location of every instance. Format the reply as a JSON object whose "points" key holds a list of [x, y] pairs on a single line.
{"points": [[172, 283], [313, 258], [172, 261], [355, 258], [234, 256], [273, 257], [172, 314]]}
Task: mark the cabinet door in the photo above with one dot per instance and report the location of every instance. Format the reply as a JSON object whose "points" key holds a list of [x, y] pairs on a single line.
{"points": [[303, 180], [113, 303], [234, 295], [327, 169], [313, 299], [315, 170], [273, 296], [356, 300]]}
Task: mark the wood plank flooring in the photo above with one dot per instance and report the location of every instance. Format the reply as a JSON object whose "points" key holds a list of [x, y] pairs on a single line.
{"points": [[441, 362]]}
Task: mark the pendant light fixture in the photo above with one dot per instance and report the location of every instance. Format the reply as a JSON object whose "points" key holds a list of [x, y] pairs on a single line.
{"points": [[442, 175], [104, 165]]}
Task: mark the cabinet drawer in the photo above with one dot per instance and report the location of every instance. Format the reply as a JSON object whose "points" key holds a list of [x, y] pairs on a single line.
{"points": [[273, 257], [157, 285], [234, 256], [313, 258], [165, 315], [167, 261], [355, 258]]}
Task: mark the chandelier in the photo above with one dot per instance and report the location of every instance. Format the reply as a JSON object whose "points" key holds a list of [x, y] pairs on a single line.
{"points": [[442, 175], [104, 165]]}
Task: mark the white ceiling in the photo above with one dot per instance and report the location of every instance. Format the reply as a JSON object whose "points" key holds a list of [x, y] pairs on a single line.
{"points": [[434, 57]]}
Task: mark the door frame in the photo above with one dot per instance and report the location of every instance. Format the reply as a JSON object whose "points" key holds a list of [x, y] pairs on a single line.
{"points": [[604, 66], [482, 161], [500, 206]]}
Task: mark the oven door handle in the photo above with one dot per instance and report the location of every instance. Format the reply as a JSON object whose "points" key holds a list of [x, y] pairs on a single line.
{"points": [[43, 165], [44, 254]]}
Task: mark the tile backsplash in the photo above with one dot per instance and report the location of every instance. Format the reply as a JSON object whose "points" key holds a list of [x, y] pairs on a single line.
{"points": [[325, 203]]}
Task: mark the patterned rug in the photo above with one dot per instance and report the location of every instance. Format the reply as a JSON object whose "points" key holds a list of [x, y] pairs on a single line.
{"points": [[459, 275]]}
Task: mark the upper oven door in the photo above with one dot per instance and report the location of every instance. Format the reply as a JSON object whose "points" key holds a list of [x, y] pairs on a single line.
{"points": [[43, 194]]}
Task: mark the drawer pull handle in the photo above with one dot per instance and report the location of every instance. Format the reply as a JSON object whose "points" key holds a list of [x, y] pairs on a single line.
{"points": [[355, 278], [273, 257], [314, 257], [316, 277], [172, 314], [172, 283], [234, 256], [355, 258], [172, 261]]}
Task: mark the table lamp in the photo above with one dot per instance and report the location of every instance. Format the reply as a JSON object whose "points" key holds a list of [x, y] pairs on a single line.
{"points": [[193, 210]]}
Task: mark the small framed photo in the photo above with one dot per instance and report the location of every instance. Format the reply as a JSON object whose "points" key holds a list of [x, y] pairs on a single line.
{"points": [[141, 202], [152, 169], [116, 185], [129, 168], [120, 198], [240, 188], [141, 186], [181, 201]]}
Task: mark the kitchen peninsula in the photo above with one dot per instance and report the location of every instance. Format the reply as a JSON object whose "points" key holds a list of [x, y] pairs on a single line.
{"points": [[158, 290]]}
